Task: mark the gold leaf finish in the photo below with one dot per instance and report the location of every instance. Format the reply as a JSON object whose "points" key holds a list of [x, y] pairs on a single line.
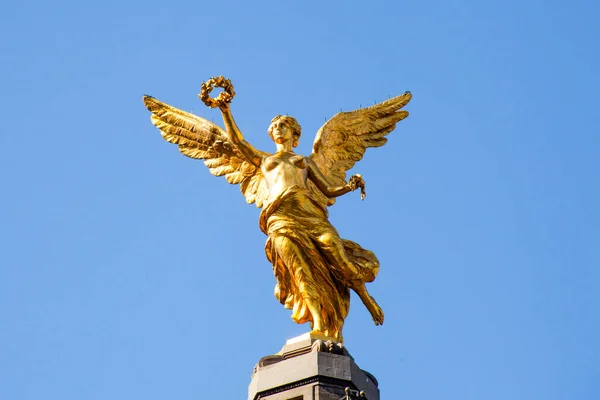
{"points": [[315, 268]]}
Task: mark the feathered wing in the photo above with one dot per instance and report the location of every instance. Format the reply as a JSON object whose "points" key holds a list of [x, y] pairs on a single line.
{"points": [[199, 138], [342, 141]]}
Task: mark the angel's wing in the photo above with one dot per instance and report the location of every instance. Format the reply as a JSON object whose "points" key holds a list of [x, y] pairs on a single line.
{"points": [[342, 141], [199, 138]]}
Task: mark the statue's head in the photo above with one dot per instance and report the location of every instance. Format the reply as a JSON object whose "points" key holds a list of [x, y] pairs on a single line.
{"points": [[289, 122]]}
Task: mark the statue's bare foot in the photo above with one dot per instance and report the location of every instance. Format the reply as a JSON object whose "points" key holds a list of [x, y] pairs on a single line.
{"points": [[317, 324], [376, 312], [370, 303]]}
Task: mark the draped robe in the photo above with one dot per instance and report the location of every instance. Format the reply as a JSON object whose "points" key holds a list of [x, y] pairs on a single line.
{"points": [[310, 271]]}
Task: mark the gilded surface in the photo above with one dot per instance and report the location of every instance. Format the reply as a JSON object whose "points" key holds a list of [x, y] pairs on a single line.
{"points": [[315, 268]]}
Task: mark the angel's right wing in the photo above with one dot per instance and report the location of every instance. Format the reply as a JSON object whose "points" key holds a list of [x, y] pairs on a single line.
{"points": [[199, 138]]}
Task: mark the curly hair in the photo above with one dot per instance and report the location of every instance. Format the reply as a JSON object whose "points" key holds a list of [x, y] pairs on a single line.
{"points": [[291, 123]]}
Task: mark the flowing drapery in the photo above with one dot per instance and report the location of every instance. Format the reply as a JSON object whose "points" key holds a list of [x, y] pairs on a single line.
{"points": [[300, 247]]}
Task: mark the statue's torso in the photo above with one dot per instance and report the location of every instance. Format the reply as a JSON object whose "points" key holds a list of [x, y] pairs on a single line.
{"points": [[284, 170]]}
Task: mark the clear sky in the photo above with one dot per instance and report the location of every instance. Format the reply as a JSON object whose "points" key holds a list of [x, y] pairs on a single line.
{"points": [[127, 271]]}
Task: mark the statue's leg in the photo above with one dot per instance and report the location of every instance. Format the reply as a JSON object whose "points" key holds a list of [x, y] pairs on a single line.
{"points": [[370, 303], [343, 268], [294, 258]]}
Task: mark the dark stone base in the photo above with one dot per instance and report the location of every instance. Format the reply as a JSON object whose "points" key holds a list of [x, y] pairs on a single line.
{"points": [[311, 367]]}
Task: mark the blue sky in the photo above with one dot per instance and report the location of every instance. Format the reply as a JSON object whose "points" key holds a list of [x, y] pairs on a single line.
{"points": [[128, 271]]}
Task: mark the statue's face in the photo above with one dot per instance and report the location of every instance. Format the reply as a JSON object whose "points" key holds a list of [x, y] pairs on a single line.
{"points": [[281, 132]]}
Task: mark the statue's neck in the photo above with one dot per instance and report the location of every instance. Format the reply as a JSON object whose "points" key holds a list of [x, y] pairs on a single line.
{"points": [[284, 147]]}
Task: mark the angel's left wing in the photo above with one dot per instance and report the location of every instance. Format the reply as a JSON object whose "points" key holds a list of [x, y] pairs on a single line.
{"points": [[201, 139], [342, 141]]}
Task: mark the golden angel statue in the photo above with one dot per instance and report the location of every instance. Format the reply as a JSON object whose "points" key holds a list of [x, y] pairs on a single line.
{"points": [[315, 268]]}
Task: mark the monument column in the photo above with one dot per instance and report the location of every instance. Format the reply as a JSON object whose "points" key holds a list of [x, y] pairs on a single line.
{"points": [[311, 367]]}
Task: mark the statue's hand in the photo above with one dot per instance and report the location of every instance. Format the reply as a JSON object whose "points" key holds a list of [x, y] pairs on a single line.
{"points": [[224, 107], [357, 181]]}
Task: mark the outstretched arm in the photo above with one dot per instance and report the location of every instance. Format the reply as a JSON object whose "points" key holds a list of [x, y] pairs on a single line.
{"points": [[315, 175], [235, 136]]}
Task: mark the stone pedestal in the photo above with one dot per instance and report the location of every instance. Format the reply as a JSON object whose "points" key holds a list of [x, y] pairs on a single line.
{"points": [[311, 367]]}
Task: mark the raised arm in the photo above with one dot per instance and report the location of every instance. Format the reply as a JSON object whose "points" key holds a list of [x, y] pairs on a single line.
{"points": [[315, 175], [235, 136]]}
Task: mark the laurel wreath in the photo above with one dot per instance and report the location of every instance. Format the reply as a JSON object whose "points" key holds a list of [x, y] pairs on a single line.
{"points": [[224, 97], [355, 182]]}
